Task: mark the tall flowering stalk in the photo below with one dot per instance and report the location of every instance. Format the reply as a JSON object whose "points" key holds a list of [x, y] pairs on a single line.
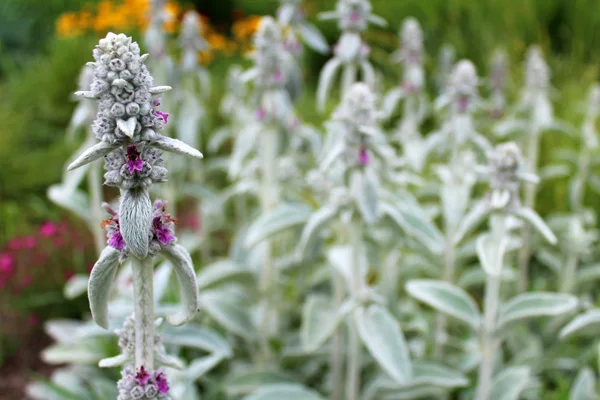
{"points": [[463, 99], [351, 53], [412, 91], [497, 82], [128, 125]]}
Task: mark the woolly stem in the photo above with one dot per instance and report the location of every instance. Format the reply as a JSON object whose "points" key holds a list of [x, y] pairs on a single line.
{"points": [[533, 148], [568, 280], [268, 274], [488, 341], [354, 346], [96, 199], [144, 312], [337, 357]]}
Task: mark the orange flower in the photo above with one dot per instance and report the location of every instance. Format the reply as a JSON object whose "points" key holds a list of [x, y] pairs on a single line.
{"points": [[68, 25], [172, 10]]}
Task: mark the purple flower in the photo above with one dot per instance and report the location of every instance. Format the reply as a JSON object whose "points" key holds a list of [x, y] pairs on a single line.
{"points": [[142, 377], [134, 161], [115, 239], [261, 113], [463, 103], [163, 115], [161, 382], [163, 226], [363, 155], [355, 17]]}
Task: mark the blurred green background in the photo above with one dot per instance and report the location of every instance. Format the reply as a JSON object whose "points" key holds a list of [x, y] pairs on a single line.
{"points": [[39, 69]]}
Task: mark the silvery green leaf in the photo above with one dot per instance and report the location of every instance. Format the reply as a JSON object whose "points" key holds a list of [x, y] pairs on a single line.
{"points": [[200, 366], [127, 127], [191, 113], [439, 375], [473, 218], [229, 309], [319, 321], [135, 220], [86, 94], [285, 216], [102, 276], [162, 275], [391, 100], [586, 324], [75, 286], [340, 258], [243, 146], [413, 221], [446, 298], [348, 46], [311, 230], [476, 276], [313, 38], [380, 332], [587, 274], [509, 126], [557, 171], [285, 13], [248, 381], [42, 390], [112, 362], [538, 223], [368, 73], [332, 154], [184, 270], [93, 153], [81, 352], [286, 391], [584, 387], [377, 20], [535, 304], [509, 383], [218, 138], [491, 253], [364, 190], [326, 15], [551, 260], [196, 336], [159, 89], [167, 360], [326, 78], [175, 146], [222, 273]]}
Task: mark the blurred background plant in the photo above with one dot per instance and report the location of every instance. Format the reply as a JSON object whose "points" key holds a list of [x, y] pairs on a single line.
{"points": [[44, 44]]}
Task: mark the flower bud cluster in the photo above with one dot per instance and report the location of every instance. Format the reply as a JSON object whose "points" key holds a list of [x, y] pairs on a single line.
{"points": [[136, 166], [463, 83], [142, 384], [191, 39], [537, 73], [411, 37], [270, 56], [505, 164], [353, 15]]}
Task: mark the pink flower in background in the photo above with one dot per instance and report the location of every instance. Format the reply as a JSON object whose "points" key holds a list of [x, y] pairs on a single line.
{"points": [[29, 242], [68, 274], [6, 263], [260, 113], [48, 229], [363, 155]]}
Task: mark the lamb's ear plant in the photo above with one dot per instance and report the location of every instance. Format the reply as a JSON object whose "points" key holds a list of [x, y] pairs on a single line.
{"points": [[502, 205], [537, 109], [462, 99], [351, 53], [445, 63], [128, 125]]}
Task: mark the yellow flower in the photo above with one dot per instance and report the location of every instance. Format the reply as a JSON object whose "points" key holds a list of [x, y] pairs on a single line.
{"points": [[172, 10], [68, 25]]}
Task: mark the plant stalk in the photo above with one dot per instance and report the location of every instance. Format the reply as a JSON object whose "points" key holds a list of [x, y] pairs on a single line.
{"points": [[448, 276], [354, 346], [337, 342], [143, 298], [533, 150], [268, 273]]}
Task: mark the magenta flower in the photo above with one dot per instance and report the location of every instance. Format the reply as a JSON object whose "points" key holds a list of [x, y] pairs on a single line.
{"points": [[156, 102], [113, 230], [463, 103], [363, 155], [163, 226], [355, 17], [278, 76], [134, 162], [142, 377], [161, 382], [48, 229], [116, 240], [6, 263], [163, 115], [260, 113]]}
